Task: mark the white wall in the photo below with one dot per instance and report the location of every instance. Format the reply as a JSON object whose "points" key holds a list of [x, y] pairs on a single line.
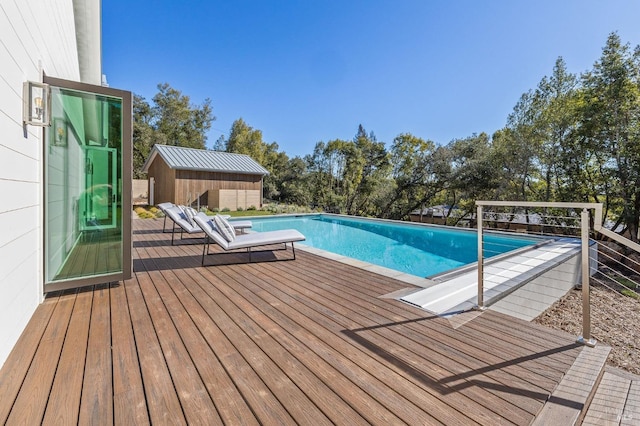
{"points": [[33, 34]]}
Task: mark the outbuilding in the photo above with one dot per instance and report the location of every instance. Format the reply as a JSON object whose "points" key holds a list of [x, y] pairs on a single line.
{"points": [[200, 177]]}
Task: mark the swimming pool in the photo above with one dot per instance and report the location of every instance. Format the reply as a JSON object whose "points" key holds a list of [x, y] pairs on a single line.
{"points": [[414, 249]]}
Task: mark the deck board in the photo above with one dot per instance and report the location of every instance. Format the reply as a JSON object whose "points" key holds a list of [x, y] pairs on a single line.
{"points": [[29, 405], [309, 341], [64, 400], [19, 361], [96, 405], [162, 401], [130, 406], [186, 379]]}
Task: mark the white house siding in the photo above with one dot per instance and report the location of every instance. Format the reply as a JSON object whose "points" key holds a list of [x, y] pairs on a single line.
{"points": [[34, 35]]}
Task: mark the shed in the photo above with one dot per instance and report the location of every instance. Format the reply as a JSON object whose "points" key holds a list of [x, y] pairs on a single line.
{"points": [[207, 178]]}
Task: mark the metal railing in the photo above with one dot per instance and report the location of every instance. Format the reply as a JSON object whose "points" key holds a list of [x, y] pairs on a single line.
{"points": [[569, 221], [196, 200]]}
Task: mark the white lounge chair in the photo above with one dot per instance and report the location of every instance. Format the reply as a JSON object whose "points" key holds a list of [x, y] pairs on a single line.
{"points": [[179, 218], [245, 241], [163, 208]]}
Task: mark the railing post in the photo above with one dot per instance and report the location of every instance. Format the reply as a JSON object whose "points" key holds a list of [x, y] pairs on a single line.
{"points": [[480, 305], [586, 301]]}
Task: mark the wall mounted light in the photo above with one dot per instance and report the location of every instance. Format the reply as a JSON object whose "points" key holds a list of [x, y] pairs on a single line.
{"points": [[36, 98]]}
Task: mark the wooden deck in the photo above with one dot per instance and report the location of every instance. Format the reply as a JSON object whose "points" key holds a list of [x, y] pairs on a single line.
{"points": [[96, 253], [309, 341]]}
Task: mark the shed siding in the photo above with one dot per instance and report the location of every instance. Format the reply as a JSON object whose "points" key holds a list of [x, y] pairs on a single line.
{"points": [[233, 199], [193, 186], [164, 187]]}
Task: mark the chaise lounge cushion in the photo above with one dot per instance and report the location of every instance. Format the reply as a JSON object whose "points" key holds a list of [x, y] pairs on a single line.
{"points": [[164, 206], [189, 214], [180, 218], [265, 238], [224, 228], [254, 239]]}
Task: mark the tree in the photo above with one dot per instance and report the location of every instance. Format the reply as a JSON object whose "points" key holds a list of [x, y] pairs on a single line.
{"points": [[328, 166], [556, 122], [294, 187], [171, 120], [420, 172], [143, 135], [611, 130], [518, 146], [220, 144], [177, 122], [370, 168], [476, 173], [244, 139]]}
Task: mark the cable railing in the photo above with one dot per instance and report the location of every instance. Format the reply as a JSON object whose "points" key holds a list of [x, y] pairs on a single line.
{"points": [[566, 230]]}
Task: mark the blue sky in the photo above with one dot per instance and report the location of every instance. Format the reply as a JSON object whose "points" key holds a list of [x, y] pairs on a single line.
{"points": [[304, 71]]}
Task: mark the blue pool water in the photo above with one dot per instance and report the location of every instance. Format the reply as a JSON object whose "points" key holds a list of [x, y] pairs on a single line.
{"points": [[415, 250]]}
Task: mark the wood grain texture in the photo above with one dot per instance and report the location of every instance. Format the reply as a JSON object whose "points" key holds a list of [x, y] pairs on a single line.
{"points": [[306, 341]]}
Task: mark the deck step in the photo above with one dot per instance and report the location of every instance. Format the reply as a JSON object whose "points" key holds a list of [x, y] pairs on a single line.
{"points": [[616, 400], [566, 404]]}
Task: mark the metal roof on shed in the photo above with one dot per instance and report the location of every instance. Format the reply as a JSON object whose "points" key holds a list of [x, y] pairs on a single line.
{"points": [[182, 158]]}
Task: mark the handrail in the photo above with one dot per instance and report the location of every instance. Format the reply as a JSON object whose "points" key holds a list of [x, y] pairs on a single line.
{"points": [[598, 225], [584, 219], [597, 207], [619, 238]]}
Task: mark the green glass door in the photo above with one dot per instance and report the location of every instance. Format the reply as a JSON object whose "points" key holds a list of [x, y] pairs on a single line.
{"points": [[99, 199], [87, 185]]}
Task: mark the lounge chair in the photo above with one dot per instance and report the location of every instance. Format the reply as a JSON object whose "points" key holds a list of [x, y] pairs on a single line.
{"points": [[178, 216], [245, 241], [163, 208]]}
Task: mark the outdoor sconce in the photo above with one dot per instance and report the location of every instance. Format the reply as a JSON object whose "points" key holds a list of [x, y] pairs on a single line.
{"points": [[36, 104]]}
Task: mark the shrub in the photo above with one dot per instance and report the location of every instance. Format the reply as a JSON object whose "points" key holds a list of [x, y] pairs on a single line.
{"points": [[627, 282], [630, 293], [251, 208], [154, 209], [226, 209], [240, 209], [287, 208]]}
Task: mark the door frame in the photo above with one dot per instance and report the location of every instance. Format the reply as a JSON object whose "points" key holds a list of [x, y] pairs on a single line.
{"points": [[127, 182]]}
